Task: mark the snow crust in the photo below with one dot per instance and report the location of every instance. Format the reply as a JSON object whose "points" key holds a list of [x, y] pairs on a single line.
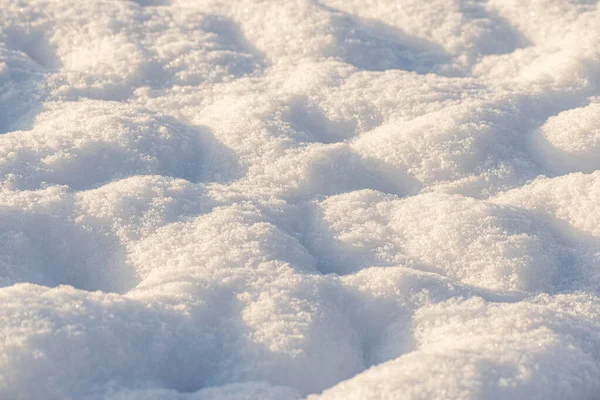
{"points": [[299, 199]]}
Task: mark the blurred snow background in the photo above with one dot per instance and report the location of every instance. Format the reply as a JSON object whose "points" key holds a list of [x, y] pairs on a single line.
{"points": [[268, 199]]}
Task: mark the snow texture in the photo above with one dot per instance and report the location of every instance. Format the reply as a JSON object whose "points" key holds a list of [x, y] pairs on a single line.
{"points": [[321, 199]]}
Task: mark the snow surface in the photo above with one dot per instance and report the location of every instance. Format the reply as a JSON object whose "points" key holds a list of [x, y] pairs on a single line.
{"points": [[329, 199]]}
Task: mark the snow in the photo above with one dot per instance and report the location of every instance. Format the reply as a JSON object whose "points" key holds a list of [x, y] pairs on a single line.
{"points": [[299, 199]]}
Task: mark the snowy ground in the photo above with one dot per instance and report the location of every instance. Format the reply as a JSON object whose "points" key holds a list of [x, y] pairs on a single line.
{"points": [[278, 199]]}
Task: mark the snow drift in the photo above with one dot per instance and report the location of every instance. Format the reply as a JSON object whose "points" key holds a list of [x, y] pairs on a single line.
{"points": [[299, 199]]}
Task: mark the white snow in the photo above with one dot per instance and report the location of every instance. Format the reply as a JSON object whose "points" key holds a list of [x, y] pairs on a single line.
{"points": [[321, 199]]}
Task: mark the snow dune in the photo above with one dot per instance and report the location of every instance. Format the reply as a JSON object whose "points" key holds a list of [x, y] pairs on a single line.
{"points": [[318, 199]]}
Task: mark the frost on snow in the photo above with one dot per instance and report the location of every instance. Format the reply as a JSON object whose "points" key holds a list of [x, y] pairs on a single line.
{"points": [[299, 199]]}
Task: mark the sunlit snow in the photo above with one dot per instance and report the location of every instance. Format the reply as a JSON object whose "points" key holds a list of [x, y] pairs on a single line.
{"points": [[289, 199]]}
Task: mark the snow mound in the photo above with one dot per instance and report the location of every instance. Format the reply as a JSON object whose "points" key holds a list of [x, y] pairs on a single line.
{"points": [[299, 199]]}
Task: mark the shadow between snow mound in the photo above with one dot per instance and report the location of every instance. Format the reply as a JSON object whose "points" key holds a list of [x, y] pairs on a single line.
{"points": [[49, 249], [32, 43], [152, 3], [21, 90], [372, 45], [496, 35], [315, 124], [231, 37], [319, 170], [311, 121], [27, 59]]}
